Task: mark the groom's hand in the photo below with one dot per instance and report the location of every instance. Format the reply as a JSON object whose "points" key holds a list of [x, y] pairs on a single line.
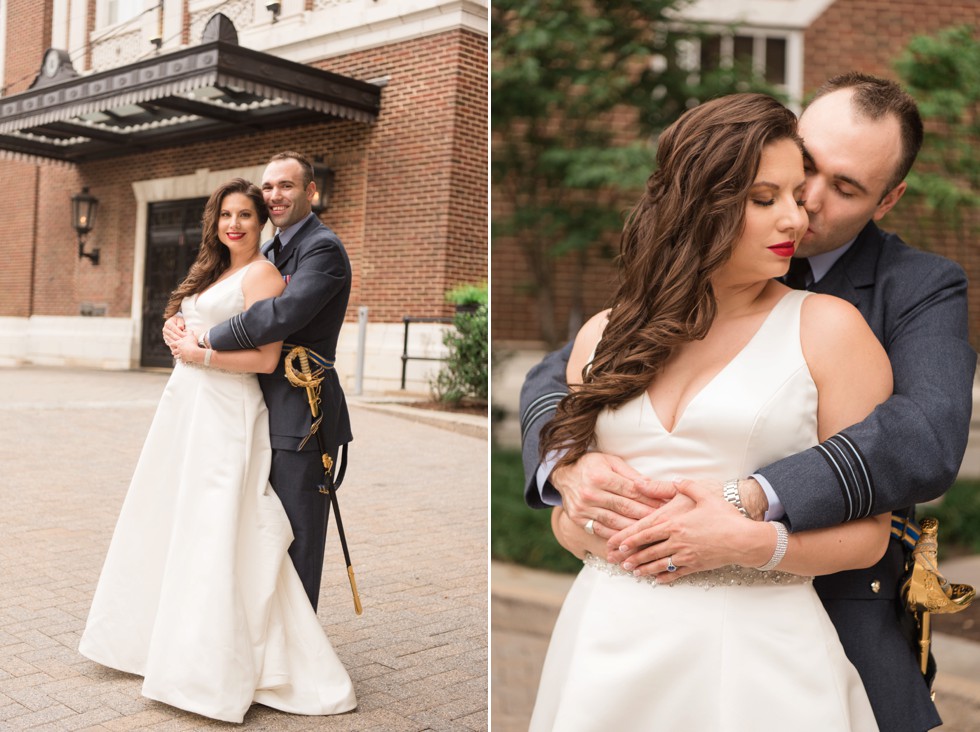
{"points": [[605, 489]]}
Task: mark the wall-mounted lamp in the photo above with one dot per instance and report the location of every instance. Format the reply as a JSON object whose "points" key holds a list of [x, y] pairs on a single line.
{"points": [[324, 177], [274, 8], [84, 206]]}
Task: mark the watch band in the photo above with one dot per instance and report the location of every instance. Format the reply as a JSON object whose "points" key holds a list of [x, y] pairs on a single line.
{"points": [[731, 494]]}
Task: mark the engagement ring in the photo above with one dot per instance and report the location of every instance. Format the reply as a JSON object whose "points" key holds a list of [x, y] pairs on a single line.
{"points": [[590, 527], [671, 567]]}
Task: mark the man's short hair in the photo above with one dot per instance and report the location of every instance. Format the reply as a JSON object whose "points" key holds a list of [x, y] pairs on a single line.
{"points": [[303, 161], [875, 98]]}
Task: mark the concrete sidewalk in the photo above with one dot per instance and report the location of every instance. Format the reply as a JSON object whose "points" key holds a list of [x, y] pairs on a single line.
{"points": [[525, 604], [415, 510]]}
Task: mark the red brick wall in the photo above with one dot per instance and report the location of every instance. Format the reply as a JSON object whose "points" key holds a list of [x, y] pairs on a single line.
{"points": [[866, 35], [18, 219], [409, 201], [28, 36], [425, 221], [466, 254]]}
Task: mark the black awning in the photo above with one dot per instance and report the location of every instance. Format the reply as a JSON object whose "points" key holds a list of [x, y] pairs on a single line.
{"points": [[212, 91]]}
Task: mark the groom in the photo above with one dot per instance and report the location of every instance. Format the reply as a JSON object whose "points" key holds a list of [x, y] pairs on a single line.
{"points": [[861, 135], [310, 312]]}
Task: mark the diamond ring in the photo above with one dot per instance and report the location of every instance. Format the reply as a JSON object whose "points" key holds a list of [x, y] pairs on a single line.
{"points": [[590, 527]]}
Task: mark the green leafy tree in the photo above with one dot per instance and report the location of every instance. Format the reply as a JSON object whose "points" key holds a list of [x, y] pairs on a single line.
{"points": [[942, 73], [578, 90]]}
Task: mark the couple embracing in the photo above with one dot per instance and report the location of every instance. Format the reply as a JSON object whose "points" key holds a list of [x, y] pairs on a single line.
{"points": [[728, 431], [210, 586]]}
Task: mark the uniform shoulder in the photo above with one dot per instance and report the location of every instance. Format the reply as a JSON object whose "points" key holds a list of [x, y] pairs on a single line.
{"points": [[900, 255], [315, 233]]}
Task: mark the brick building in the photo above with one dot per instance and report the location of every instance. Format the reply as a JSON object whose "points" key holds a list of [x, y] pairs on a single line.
{"points": [[796, 44], [150, 105]]}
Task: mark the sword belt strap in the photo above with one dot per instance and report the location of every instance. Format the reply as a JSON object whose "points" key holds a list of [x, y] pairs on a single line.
{"points": [[905, 530], [322, 362], [341, 471]]}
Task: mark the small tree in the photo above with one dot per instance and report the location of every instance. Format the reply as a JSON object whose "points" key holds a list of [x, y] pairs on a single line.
{"points": [[579, 89], [465, 373], [942, 73]]}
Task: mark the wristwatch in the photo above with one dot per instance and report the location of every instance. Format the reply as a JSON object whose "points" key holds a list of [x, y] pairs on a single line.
{"points": [[730, 491]]}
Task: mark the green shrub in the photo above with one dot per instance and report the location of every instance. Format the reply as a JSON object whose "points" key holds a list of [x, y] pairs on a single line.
{"points": [[469, 295], [518, 533], [959, 518], [466, 371]]}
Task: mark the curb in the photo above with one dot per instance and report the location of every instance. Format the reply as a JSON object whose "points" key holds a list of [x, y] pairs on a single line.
{"points": [[465, 424]]}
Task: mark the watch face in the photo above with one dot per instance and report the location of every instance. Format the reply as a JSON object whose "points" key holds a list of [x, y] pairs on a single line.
{"points": [[51, 63]]}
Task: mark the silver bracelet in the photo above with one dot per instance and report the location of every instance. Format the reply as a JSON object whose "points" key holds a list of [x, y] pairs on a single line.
{"points": [[782, 542], [730, 491], [207, 357]]}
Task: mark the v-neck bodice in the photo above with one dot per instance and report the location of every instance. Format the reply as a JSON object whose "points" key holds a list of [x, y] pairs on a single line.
{"points": [[760, 406], [222, 300]]}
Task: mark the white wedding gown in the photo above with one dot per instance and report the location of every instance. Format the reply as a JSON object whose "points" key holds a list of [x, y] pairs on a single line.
{"points": [[198, 594], [733, 650]]}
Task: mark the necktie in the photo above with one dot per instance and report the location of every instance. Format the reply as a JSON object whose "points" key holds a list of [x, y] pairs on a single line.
{"points": [[800, 275], [276, 249]]}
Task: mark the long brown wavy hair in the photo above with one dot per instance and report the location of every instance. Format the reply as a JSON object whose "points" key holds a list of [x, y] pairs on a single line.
{"points": [[682, 230], [213, 257]]}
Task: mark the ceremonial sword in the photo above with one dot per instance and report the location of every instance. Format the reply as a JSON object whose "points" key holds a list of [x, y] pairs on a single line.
{"points": [[311, 382]]}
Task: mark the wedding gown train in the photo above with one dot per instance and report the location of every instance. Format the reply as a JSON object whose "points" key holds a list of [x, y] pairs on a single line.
{"points": [[732, 650], [198, 594]]}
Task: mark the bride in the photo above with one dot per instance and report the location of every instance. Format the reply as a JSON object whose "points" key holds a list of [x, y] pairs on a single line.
{"points": [[707, 367], [198, 594]]}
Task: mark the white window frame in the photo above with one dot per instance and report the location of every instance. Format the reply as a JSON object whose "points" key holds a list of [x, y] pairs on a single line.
{"points": [[103, 12], [690, 54]]}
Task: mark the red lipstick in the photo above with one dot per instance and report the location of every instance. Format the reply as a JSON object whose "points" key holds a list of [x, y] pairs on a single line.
{"points": [[784, 249]]}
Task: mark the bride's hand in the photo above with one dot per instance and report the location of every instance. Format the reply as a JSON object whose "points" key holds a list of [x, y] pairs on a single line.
{"points": [[173, 329], [186, 349]]}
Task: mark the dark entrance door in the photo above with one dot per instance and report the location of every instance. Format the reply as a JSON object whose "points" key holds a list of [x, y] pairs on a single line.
{"points": [[173, 237]]}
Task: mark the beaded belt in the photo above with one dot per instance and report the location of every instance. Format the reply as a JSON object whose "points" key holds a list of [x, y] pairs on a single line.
{"points": [[210, 369], [721, 577]]}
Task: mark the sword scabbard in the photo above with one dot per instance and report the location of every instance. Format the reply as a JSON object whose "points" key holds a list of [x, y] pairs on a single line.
{"points": [[353, 588]]}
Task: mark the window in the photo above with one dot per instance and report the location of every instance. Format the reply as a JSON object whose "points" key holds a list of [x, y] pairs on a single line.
{"points": [[120, 10], [764, 54]]}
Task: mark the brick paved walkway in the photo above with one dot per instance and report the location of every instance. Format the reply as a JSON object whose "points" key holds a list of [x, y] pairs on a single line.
{"points": [[415, 509]]}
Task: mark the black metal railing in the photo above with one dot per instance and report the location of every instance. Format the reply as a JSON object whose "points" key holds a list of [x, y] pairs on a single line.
{"points": [[408, 320]]}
